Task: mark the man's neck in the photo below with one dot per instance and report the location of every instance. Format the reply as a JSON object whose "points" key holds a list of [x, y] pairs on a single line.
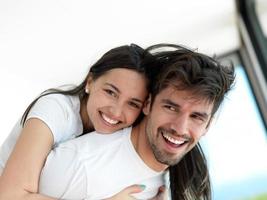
{"points": [[142, 147]]}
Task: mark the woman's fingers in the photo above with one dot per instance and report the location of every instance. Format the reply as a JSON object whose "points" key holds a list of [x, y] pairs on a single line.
{"points": [[125, 194]]}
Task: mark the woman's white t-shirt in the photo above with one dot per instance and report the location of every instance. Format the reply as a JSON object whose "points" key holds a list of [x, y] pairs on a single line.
{"points": [[61, 113]]}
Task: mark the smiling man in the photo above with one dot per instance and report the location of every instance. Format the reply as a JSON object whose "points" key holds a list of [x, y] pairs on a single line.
{"points": [[186, 93], [175, 122]]}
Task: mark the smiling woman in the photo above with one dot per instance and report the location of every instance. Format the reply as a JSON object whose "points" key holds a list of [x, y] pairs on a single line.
{"points": [[116, 99], [109, 98], [49, 43]]}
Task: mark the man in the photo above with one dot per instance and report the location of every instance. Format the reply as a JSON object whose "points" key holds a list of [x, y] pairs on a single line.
{"points": [[186, 94]]}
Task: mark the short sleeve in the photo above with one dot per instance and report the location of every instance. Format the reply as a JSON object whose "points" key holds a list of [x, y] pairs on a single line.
{"points": [[56, 111]]}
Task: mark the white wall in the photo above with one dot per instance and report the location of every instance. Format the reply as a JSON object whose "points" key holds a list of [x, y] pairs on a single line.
{"points": [[48, 43]]}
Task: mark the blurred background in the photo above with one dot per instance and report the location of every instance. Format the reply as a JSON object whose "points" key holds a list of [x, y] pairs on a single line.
{"points": [[46, 44]]}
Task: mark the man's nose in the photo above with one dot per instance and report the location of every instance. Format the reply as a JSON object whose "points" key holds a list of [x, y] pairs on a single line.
{"points": [[180, 124]]}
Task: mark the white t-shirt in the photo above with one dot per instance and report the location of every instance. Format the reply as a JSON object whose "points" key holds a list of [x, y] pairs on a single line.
{"points": [[61, 113], [97, 166]]}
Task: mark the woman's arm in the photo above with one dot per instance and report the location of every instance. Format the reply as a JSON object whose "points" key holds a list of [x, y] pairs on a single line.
{"points": [[20, 177]]}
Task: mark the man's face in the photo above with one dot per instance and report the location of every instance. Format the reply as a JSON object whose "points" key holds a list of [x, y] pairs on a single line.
{"points": [[175, 123]]}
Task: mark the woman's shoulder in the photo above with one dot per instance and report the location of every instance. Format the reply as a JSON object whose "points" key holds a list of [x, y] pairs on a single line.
{"points": [[61, 113], [64, 98], [59, 101]]}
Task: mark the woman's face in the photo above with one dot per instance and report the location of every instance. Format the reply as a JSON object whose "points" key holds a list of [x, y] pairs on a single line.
{"points": [[115, 99]]}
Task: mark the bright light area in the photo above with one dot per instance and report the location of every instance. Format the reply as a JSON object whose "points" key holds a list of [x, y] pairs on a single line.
{"points": [[49, 43], [45, 44], [236, 146]]}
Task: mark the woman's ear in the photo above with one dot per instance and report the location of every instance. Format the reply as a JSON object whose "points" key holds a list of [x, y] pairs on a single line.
{"points": [[147, 104], [89, 84]]}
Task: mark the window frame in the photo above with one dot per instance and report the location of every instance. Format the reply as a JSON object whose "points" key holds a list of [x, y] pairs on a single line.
{"points": [[253, 51]]}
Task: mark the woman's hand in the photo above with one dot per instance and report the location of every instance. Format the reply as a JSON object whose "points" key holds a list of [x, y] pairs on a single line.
{"points": [[162, 194], [126, 194]]}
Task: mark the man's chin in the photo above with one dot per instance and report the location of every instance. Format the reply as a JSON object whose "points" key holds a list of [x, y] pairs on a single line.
{"points": [[168, 160]]}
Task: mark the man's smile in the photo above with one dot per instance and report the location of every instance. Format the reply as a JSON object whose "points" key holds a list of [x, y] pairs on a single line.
{"points": [[171, 140]]}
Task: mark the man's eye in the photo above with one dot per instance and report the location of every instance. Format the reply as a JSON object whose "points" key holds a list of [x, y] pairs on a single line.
{"points": [[171, 108], [110, 92], [198, 118]]}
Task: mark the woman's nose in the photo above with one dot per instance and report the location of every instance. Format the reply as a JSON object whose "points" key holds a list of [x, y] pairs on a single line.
{"points": [[117, 111]]}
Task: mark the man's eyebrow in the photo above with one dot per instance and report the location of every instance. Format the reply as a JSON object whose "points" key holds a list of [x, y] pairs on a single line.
{"points": [[202, 114], [169, 102], [117, 89]]}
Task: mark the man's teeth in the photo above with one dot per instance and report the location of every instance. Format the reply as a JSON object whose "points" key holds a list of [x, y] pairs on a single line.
{"points": [[111, 121], [172, 140]]}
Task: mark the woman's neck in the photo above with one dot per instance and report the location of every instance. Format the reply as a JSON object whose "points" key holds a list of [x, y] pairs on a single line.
{"points": [[87, 124]]}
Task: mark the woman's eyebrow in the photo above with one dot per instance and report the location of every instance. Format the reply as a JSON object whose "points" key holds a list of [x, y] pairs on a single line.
{"points": [[137, 100], [114, 87], [117, 89]]}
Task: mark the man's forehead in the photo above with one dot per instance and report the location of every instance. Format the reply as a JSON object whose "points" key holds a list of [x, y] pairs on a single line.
{"points": [[174, 94]]}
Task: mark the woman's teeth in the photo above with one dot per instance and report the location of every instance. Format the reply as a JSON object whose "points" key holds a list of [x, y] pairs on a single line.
{"points": [[111, 121]]}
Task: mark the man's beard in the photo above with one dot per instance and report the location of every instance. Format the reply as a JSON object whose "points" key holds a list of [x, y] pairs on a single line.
{"points": [[164, 157], [160, 155]]}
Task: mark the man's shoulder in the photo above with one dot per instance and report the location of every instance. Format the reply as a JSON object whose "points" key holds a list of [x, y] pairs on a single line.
{"points": [[95, 141]]}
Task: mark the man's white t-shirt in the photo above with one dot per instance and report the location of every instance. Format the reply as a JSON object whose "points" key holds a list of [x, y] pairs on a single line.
{"points": [[97, 166], [61, 113]]}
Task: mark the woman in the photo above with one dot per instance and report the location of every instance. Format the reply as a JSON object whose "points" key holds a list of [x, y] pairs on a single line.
{"points": [[110, 98]]}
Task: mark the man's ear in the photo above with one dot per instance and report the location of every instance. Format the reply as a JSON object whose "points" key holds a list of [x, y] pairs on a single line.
{"points": [[147, 104], [208, 125]]}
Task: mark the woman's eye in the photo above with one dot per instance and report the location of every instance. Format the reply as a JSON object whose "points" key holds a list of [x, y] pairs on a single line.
{"points": [[110, 92], [134, 105]]}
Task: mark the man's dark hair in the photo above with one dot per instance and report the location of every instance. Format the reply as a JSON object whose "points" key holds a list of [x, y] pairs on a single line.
{"points": [[205, 77]]}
